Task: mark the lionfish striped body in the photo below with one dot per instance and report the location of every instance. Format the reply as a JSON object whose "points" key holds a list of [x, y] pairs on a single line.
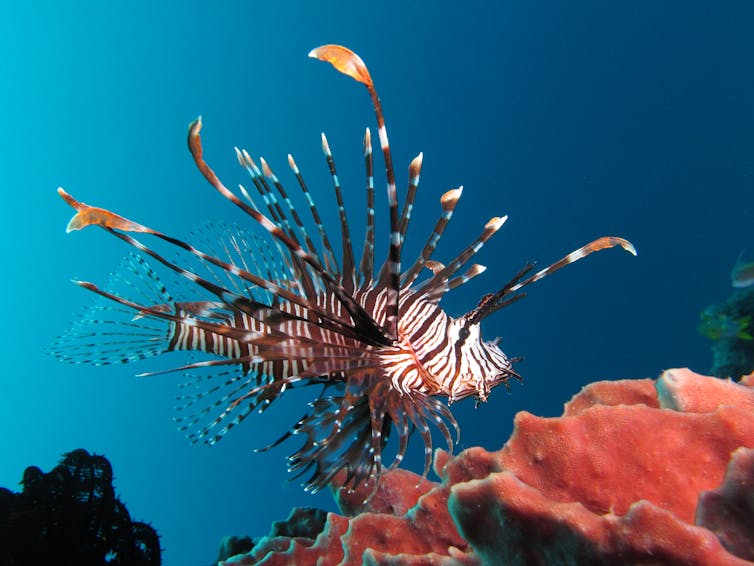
{"points": [[281, 312]]}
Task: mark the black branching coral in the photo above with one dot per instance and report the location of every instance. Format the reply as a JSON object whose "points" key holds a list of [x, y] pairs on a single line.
{"points": [[277, 310], [71, 515]]}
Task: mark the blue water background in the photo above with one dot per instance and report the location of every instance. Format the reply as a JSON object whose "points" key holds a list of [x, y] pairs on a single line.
{"points": [[578, 119]]}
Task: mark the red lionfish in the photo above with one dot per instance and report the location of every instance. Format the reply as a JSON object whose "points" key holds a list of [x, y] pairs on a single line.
{"points": [[287, 314]]}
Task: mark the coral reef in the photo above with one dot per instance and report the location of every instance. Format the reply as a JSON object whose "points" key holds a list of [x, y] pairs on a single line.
{"points": [[232, 545], [72, 516], [633, 472], [729, 326], [728, 511]]}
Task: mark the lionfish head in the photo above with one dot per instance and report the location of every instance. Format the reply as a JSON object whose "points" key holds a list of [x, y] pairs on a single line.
{"points": [[480, 365]]}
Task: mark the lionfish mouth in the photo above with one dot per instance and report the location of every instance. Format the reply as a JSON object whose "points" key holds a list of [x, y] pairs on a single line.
{"points": [[272, 310]]}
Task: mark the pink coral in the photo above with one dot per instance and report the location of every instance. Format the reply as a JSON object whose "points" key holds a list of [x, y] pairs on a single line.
{"points": [[728, 511], [635, 471]]}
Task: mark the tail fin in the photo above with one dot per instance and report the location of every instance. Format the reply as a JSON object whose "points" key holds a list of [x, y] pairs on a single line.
{"points": [[108, 332]]}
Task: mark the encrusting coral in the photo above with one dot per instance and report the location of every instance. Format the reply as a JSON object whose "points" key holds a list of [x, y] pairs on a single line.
{"points": [[633, 472]]}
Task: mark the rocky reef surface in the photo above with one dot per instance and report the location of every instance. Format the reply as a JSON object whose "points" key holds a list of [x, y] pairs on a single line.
{"points": [[634, 472]]}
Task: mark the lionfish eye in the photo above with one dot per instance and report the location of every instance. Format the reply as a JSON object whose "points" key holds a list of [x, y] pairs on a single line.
{"points": [[274, 317]]}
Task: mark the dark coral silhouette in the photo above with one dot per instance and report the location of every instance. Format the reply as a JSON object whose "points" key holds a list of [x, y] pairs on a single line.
{"points": [[732, 347], [72, 516], [233, 545]]}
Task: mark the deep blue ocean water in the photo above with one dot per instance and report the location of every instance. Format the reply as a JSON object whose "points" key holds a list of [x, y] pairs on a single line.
{"points": [[578, 119]]}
